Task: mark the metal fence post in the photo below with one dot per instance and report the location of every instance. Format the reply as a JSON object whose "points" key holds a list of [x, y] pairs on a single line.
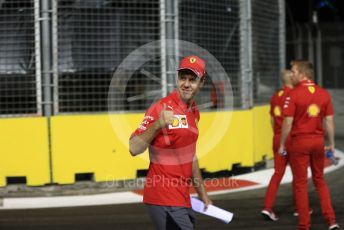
{"points": [[38, 57], [163, 48], [171, 49], [318, 50], [246, 80], [55, 63], [46, 55], [310, 41], [282, 34], [299, 43], [319, 57], [168, 44], [47, 70], [176, 29]]}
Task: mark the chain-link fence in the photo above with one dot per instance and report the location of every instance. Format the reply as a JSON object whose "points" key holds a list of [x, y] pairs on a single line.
{"points": [[215, 26], [266, 48], [93, 38], [19, 81], [89, 39]]}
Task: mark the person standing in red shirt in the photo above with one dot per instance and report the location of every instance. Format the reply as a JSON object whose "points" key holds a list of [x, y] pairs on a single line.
{"points": [[305, 108], [280, 162], [169, 131]]}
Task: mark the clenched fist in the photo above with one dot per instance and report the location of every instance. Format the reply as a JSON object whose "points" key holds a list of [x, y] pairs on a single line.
{"points": [[165, 117]]}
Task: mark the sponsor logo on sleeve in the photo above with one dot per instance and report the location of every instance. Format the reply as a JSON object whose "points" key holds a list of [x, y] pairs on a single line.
{"points": [[286, 102], [277, 111], [280, 93], [146, 121]]}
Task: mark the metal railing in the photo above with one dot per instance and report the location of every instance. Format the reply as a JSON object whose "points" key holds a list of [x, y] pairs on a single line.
{"points": [[60, 56]]}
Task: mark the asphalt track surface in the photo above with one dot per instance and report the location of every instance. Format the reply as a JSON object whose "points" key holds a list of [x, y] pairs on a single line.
{"points": [[245, 205]]}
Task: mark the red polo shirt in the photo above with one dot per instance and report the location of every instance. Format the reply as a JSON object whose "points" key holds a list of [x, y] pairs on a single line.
{"points": [[276, 108], [308, 104], [171, 153]]}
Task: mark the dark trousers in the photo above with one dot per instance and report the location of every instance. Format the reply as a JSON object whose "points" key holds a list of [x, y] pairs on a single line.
{"points": [[171, 218]]}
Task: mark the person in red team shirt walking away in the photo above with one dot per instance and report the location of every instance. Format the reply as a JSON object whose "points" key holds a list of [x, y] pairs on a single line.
{"points": [[305, 108], [169, 130], [280, 162]]}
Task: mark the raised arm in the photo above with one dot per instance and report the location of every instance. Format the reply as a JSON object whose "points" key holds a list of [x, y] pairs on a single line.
{"points": [[139, 143]]}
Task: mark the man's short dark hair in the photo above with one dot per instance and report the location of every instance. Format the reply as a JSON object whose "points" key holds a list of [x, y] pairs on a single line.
{"points": [[186, 72]]}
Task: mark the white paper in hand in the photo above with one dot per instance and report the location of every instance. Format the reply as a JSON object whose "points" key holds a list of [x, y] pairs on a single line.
{"points": [[213, 211]]}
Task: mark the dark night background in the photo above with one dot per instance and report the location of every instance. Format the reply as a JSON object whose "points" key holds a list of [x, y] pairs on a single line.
{"points": [[328, 10], [303, 32]]}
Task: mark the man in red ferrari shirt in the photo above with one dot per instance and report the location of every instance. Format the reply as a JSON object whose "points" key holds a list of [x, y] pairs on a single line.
{"points": [[169, 130], [280, 162], [305, 108]]}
